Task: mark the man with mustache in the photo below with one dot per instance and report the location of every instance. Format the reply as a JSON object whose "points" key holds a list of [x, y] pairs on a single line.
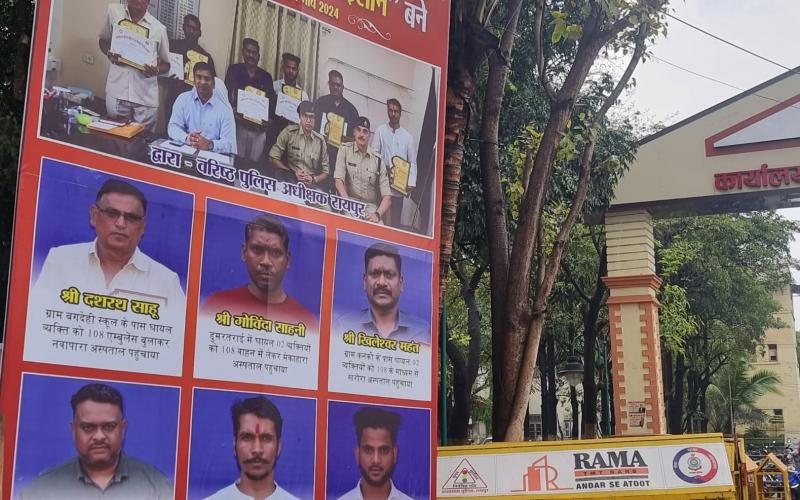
{"points": [[257, 427], [376, 454], [383, 285], [266, 255], [113, 264], [131, 92], [101, 469]]}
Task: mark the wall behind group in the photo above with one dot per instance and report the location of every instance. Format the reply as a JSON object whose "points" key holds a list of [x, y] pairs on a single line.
{"points": [[74, 37]]}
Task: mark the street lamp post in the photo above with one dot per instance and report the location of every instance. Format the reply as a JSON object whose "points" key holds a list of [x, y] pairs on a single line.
{"points": [[573, 372]]}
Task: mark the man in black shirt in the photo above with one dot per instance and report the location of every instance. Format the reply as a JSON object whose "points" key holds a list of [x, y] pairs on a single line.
{"points": [[251, 137], [335, 103], [189, 47]]}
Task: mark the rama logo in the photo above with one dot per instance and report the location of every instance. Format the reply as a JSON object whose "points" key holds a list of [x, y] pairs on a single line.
{"points": [[540, 476]]}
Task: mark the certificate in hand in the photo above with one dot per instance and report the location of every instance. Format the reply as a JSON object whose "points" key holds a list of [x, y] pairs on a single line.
{"points": [[253, 105], [175, 65], [133, 48], [287, 107], [399, 174], [333, 128]]}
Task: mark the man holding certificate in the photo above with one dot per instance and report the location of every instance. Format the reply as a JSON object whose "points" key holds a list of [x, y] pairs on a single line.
{"points": [[251, 89], [189, 51], [200, 118], [136, 43], [289, 95], [335, 115], [396, 148]]}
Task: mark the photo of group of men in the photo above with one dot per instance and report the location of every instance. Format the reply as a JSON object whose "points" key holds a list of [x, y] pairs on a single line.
{"points": [[313, 133], [117, 440]]}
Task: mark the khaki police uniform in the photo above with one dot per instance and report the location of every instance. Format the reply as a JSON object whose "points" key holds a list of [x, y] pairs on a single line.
{"points": [[303, 153], [363, 174]]}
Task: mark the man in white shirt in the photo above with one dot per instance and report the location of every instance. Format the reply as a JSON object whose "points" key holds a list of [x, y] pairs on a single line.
{"points": [[112, 264], [132, 93], [257, 427], [376, 454], [390, 140]]}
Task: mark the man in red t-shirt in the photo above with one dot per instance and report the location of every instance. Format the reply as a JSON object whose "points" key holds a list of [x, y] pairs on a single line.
{"points": [[266, 254]]}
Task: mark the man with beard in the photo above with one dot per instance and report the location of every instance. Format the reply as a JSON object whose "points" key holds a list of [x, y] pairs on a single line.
{"points": [[383, 285], [266, 255], [257, 427], [251, 137], [389, 141], [335, 104], [376, 454], [200, 118], [101, 469]]}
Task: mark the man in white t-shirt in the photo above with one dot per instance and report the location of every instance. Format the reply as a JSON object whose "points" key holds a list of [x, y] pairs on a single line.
{"points": [[376, 454], [132, 92], [113, 264], [388, 141], [257, 427]]}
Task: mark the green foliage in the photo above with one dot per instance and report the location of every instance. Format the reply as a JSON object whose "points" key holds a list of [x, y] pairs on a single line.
{"points": [[735, 389]]}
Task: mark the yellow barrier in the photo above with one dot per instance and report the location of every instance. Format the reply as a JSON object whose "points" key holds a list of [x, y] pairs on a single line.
{"points": [[672, 467]]}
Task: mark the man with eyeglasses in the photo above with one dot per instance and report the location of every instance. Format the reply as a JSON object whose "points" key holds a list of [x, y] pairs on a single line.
{"points": [[383, 285], [113, 264], [101, 469], [267, 257], [299, 154]]}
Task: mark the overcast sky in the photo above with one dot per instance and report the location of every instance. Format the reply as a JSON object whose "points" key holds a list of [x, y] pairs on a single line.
{"points": [[766, 27]]}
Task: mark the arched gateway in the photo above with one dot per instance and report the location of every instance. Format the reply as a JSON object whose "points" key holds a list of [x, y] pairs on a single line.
{"points": [[742, 154]]}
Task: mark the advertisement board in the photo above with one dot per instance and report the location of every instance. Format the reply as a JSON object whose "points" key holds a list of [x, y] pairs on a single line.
{"points": [[224, 272], [625, 466]]}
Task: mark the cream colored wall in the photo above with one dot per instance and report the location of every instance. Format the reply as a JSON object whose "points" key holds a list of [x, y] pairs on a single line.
{"points": [[353, 56], [675, 166], [786, 368], [78, 25]]}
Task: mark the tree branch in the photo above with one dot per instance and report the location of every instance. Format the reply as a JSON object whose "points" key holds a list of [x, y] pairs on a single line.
{"points": [[538, 42]]}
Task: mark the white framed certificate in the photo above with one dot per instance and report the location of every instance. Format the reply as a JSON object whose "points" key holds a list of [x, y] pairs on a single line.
{"points": [[175, 66], [286, 107], [133, 48], [252, 106]]}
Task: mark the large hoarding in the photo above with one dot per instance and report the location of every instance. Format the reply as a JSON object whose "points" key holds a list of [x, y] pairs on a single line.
{"points": [[224, 269]]}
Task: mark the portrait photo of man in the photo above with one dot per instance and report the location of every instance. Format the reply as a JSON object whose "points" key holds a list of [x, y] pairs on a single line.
{"points": [[100, 469], [385, 458], [383, 284], [266, 256], [113, 264], [257, 426], [251, 446], [110, 254]]}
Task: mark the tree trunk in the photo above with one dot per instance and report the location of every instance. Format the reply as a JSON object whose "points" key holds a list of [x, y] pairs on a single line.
{"points": [[590, 327], [496, 223], [675, 406], [465, 369], [469, 46], [550, 396]]}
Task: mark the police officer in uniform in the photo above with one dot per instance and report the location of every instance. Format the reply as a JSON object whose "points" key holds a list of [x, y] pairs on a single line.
{"points": [[360, 174], [300, 153]]}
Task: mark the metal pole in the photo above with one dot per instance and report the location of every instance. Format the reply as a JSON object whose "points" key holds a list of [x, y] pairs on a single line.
{"points": [[606, 387], [443, 370]]}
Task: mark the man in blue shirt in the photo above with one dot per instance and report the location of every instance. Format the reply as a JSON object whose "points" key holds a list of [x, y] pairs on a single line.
{"points": [[202, 119], [383, 285]]}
